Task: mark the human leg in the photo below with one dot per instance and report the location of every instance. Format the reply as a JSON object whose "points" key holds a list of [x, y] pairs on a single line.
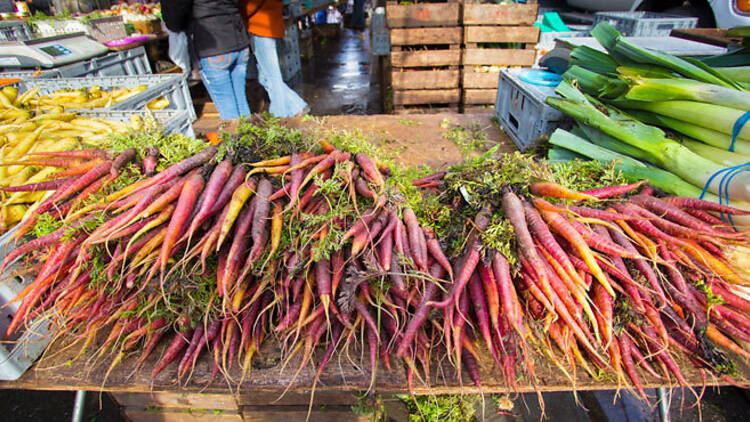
{"points": [[284, 101], [238, 74], [215, 72]]}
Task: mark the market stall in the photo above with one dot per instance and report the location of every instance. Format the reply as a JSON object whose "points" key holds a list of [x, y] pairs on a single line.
{"points": [[276, 268]]}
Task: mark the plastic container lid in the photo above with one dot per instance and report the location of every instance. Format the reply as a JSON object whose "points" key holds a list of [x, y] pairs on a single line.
{"points": [[540, 77]]}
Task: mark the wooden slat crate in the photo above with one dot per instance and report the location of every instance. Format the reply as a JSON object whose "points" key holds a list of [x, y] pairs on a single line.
{"points": [[471, 79], [484, 27], [499, 14], [478, 96], [421, 15], [425, 66], [478, 36]]}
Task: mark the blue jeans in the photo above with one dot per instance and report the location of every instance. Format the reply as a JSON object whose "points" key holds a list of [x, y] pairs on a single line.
{"points": [[284, 101], [224, 77]]}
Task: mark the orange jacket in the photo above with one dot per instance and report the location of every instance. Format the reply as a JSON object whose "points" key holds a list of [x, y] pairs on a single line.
{"points": [[268, 21]]}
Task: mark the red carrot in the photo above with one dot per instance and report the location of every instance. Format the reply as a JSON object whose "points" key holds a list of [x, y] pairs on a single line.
{"points": [[704, 205], [370, 170], [361, 187], [610, 191], [541, 231], [62, 193], [150, 160], [180, 168], [214, 188], [470, 260], [665, 209], [36, 187], [508, 296], [170, 355], [123, 158], [185, 204], [436, 251], [323, 281], [629, 364], [421, 312]]}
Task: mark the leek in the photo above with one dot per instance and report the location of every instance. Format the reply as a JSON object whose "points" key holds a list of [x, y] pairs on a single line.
{"points": [[631, 169], [710, 116], [717, 155], [595, 84], [561, 155], [603, 140], [645, 71], [616, 45], [666, 153], [707, 136], [592, 59], [647, 89], [738, 73]]}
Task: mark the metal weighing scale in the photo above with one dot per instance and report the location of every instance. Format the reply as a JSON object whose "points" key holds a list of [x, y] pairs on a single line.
{"points": [[49, 51]]}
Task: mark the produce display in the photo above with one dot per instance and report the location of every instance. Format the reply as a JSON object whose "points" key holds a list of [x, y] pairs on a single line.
{"points": [[90, 97], [644, 109], [176, 249], [34, 151]]}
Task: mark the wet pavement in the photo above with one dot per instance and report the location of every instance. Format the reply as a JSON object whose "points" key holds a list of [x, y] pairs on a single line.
{"points": [[342, 76]]}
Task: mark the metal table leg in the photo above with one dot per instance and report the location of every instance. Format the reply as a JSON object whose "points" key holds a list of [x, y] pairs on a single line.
{"points": [[661, 393], [78, 406]]}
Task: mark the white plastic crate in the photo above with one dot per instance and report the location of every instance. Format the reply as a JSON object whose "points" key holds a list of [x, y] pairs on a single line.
{"points": [[23, 348], [522, 112], [173, 121], [173, 86], [15, 31], [117, 63], [644, 24]]}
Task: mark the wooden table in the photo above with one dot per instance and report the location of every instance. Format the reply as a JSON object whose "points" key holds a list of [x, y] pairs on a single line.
{"points": [[421, 141]]}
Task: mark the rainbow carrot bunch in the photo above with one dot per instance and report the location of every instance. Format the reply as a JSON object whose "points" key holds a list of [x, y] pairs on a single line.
{"points": [[617, 282], [318, 247]]}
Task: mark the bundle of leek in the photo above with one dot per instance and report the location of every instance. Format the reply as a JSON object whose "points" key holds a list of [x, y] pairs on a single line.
{"points": [[626, 109]]}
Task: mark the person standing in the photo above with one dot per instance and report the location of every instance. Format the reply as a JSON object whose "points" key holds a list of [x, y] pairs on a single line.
{"points": [[219, 39], [265, 22]]}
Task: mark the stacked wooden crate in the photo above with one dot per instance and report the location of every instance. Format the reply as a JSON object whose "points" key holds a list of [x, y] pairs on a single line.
{"points": [[487, 31], [425, 55]]}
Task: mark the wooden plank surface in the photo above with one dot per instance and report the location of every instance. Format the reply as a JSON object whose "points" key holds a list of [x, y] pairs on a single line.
{"points": [[424, 79], [426, 36], [175, 415], [496, 34], [498, 56], [421, 15], [426, 96], [499, 14], [425, 58], [179, 400], [300, 414], [471, 79], [479, 96]]}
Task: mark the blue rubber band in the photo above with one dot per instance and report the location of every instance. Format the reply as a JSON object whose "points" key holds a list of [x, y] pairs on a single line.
{"points": [[737, 128], [727, 174]]}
